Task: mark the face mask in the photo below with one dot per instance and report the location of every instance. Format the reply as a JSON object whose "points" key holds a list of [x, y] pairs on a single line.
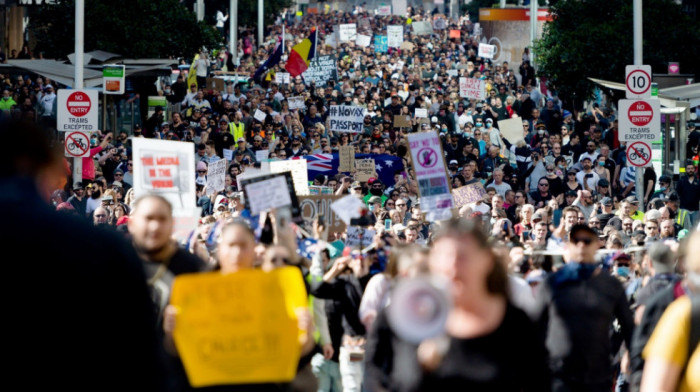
{"points": [[93, 142], [540, 132], [488, 125], [493, 220], [483, 182], [468, 134], [479, 125], [167, 91], [371, 207], [469, 112], [601, 163], [623, 271], [662, 189], [562, 167]]}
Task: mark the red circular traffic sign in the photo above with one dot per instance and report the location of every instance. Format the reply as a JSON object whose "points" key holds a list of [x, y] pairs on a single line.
{"points": [[639, 154], [78, 104], [640, 113], [638, 82]]}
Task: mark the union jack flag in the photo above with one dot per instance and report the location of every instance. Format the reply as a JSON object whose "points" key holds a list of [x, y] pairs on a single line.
{"points": [[318, 162]]}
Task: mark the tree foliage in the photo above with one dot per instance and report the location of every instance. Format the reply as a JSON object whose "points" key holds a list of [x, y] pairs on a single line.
{"points": [[131, 28], [594, 38]]}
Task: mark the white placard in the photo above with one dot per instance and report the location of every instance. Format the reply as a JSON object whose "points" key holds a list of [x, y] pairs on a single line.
{"points": [[166, 168], [260, 115], [472, 88], [387, 102], [487, 51], [359, 237], [299, 174], [363, 40], [429, 168], [346, 118], [282, 77], [296, 103], [384, 10], [228, 154], [422, 27], [398, 7], [216, 176], [347, 208], [421, 113], [394, 35], [347, 32], [439, 24], [262, 155], [267, 194], [77, 110], [452, 73]]}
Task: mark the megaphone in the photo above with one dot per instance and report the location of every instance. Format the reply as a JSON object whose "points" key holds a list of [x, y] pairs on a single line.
{"points": [[418, 309]]}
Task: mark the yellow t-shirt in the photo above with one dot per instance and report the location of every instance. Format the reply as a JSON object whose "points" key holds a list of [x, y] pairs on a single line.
{"points": [[669, 342]]}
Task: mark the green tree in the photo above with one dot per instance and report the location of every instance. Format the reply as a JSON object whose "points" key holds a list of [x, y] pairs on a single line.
{"points": [[594, 38], [131, 28]]}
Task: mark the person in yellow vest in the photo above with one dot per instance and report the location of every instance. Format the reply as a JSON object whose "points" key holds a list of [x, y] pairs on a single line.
{"points": [[236, 127]]}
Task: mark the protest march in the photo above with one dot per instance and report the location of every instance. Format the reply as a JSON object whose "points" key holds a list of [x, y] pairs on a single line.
{"points": [[376, 205]]}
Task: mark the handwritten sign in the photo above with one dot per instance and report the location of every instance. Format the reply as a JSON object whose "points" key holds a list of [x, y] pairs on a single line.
{"points": [[468, 194], [363, 40], [487, 51], [348, 207], [384, 10], [402, 121], [239, 328], [216, 176], [394, 35], [260, 115], [315, 205], [365, 169], [347, 32], [472, 88], [380, 44], [421, 113], [228, 154], [346, 156], [344, 118], [267, 194], [166, 168], [358, 237], [321, 70], [262, 155], [299, 174], [282, 77], [296, 103]]}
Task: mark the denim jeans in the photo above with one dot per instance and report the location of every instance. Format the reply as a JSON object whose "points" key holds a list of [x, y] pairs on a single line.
{"points": [[328, 374]]}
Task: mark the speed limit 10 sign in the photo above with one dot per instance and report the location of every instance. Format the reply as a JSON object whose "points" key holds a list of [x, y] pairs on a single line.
{"points": [[638, 81]]}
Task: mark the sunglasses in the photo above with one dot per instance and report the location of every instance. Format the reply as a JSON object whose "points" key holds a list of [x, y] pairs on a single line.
{"points": [[201, 171], [586, 241]]}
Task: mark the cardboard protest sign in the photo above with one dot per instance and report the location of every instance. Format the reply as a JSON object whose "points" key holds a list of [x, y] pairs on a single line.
{"points": [[321, 70], [228, 322], [429, 167], [402, 121], [260, 115], [512, 129], [380, 44], [297, 167], [267, 194], [346, 156], [347, 32], [363, 40], [422, 28], [348, 208], [216, 176], [487, 51], [394, 35], [406, 45], [296, 103], [365, 169], [468, 194], [166, 168], [218, 84], [472, 88], [346, 118], [315, 205], [358, 237]]}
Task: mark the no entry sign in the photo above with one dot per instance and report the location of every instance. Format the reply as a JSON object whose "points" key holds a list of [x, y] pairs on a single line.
{"points": [[77, 145], [77, 110], [639, 120], [639, 154]]}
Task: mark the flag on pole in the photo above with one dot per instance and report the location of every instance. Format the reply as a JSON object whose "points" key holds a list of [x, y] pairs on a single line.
{"points": [[192, 74], [301, 55], [271, 62]]}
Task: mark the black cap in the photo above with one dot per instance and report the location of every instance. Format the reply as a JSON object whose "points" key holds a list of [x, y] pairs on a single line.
{"points": [[571, 193], [78, 185], [665, 179], [603, 182], [673, 196], [606, 201], [159, 108], [578, 227]]}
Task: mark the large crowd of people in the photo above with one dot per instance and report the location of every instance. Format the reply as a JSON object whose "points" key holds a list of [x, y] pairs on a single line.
{"points": [[562, 277]]}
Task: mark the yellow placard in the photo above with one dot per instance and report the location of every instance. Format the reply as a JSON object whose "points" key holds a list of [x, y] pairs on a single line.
{"points": [[239, 328]]}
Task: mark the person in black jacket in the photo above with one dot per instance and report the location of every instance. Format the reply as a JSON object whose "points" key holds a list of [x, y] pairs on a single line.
{"points": [[79, 314], [575, 310], [688, 188]]}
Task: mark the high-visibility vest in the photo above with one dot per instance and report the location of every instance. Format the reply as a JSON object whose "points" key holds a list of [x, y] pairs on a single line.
{"points": [[681, 216], [237, 131]]}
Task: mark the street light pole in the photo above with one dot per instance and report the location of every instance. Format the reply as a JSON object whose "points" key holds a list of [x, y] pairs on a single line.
{"points": [[78, 72], [261, 21], [233, 31], [638, 60]]}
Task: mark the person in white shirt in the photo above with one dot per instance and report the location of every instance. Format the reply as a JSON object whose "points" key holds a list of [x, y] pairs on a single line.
{"points": [[220, 20], [46, 103], [591, 178], [498, 184], [591, 152], [202, 69]]}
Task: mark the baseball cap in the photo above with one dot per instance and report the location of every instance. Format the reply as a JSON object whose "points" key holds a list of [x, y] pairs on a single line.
{"points": [[665, 179], [77, 186], [240, 139], [603, 182], [356, 185], [606, 201], [632, 200], [579, 227], [375, 199], [454, 162]]}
